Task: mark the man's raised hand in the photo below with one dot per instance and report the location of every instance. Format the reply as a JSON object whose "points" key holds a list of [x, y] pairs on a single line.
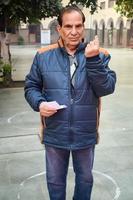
{"points": [[92, 48]]}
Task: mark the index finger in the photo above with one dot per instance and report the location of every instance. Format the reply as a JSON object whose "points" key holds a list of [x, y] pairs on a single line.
{"points": [[96, 40], [96, 37]]}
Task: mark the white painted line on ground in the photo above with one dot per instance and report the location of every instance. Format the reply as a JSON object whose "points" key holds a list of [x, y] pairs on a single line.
{"points": [[9, 121], [117, 188]]}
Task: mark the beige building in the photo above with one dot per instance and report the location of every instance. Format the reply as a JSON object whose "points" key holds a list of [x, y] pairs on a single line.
{"points": [[112, 29]]}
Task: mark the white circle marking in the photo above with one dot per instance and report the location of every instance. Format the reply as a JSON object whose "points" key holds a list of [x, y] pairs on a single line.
{"points": [[117, 188]]}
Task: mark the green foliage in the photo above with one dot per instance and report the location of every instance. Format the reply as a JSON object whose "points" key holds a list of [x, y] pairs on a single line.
{"points": [[1, 63], [12, 12], [125, 7], [5, 73], [92, 4], [7, 68], [1, 70]]}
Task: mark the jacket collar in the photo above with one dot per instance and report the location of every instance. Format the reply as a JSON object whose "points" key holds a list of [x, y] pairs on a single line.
{"points": [[80, 47]]}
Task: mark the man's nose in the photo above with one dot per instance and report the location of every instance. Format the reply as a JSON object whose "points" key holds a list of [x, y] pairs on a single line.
{"points": [[73, 31]]}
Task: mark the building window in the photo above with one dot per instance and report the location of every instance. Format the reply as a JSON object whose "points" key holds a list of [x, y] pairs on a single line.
{"points": [[111, 3], [102, 5]]}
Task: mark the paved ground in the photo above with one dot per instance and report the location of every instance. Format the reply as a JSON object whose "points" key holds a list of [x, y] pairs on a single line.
{"points": [[22, 57], [22, 173]]}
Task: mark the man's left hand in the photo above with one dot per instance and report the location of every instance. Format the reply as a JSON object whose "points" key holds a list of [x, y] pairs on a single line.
{"points": [[92, 48]]}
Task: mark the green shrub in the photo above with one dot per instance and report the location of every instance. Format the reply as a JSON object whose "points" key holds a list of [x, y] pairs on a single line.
{"points": [[7, 68], [5, 73], [1, 63]]}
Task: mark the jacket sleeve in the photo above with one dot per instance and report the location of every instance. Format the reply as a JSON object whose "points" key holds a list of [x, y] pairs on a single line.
{"points": [[34, 85], [101, 77]]}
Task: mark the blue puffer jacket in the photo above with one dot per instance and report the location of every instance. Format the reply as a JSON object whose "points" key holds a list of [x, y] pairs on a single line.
{"points": [[76, 126]]}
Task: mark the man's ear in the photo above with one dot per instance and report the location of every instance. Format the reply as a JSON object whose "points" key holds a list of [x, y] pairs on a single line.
{"points": [[58, 28]]}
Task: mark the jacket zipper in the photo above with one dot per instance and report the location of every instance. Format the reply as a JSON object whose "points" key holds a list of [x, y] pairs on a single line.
{"points": [[70, 104]]}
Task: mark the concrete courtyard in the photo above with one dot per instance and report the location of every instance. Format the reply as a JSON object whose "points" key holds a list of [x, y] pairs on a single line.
{"points": [[22, 156]]}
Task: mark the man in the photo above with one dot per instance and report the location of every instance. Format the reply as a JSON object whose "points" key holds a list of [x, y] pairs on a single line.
{"points": [[76, 75]]}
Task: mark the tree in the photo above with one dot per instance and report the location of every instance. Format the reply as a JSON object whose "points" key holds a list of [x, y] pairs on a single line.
{"points": [[125, 7], [13, 12], [92, 4]]}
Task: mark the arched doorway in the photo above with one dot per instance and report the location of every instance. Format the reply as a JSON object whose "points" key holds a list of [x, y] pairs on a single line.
{"points": [[34, 33], [110, 27], [131, 35], [120, 33], [95, 29], [53, 30], [102, 31]]}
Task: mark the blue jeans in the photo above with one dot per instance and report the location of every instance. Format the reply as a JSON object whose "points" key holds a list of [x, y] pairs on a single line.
{"points": [[57, 161]]}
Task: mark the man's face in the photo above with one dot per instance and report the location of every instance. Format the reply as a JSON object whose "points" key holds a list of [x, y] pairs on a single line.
{"points": [[72, 29]]}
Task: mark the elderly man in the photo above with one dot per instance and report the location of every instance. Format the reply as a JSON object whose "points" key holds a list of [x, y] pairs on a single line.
{"points": [[65, 84]]}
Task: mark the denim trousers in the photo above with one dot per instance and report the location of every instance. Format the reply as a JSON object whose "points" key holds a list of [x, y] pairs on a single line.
{"points": [[57, 162]]}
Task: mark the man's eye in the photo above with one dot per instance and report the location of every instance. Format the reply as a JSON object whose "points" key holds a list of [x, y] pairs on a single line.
{"points": [[68, 26], [79, 26]]}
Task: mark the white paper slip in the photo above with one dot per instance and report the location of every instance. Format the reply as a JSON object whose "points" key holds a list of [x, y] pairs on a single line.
{"points": [[62, 106], [55, 105]]}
